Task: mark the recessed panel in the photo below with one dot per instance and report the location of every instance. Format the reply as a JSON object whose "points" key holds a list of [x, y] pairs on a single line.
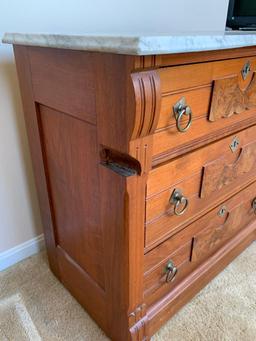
{"points": [[71, 162]]}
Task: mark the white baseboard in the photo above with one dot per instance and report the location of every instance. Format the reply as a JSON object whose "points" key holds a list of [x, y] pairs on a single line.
{"points": [[20, 252]]}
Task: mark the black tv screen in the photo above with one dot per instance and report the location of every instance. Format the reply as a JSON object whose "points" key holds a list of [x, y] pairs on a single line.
{"points": [[245, 8], [241, 13]]}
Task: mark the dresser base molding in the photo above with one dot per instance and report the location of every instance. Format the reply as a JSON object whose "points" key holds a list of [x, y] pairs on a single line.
{"points": [[161, 312]]}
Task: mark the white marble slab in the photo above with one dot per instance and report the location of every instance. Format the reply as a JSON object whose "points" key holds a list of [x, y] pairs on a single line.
{"points": [[136, 45]]}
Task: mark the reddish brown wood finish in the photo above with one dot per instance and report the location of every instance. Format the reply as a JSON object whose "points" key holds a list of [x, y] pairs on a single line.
{"points": [[74, 188], [98, 124], [228, 99], [165, 308], [219, 173], [205, 176], [30, 111], [143, 62], [196, 243], [216, 93], [64, 72]]}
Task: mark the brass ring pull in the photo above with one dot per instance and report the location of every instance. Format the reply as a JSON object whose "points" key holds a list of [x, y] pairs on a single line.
{"points": [[246, 70], [254, 205], [179, 201], [171, 271], [180, 109]]}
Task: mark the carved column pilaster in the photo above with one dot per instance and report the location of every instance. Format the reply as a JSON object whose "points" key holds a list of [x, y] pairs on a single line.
{"points": [[147, 109]]}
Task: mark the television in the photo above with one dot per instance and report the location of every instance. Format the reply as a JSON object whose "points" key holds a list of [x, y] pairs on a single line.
{"points": [[242, 14]]}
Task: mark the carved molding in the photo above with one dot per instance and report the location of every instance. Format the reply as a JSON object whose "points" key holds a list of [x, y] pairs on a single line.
{"points": [[138, 324], [137, 314], [148, 99], [141, 150], [228, 98], [210, 238], [138, 331], [218, 173], [143, 62]]}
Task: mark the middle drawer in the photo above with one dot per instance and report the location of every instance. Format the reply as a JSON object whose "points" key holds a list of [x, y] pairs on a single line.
{"points": [[167, 265], [186, 187]]}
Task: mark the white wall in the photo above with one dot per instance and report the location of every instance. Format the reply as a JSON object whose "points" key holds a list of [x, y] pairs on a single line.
{"points": [[19, 213]]}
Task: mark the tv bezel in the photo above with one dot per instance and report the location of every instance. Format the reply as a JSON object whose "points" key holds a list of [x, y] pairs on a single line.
{"points": [[238, 21]]}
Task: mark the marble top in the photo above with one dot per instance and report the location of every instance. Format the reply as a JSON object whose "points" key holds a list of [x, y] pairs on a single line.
{"points": [[136, 45]]}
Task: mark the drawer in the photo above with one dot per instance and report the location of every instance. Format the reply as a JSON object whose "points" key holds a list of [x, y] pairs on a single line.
{"points": [[218, 97], [196, 243], [203, 178]]}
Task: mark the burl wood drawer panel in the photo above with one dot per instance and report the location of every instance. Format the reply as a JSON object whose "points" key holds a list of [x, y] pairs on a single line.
{"points": [[218, 97], [203, 177], [170, 262]]}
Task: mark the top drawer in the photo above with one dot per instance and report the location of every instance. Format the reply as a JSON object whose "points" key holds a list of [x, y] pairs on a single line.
{"points": [[217, 97]]}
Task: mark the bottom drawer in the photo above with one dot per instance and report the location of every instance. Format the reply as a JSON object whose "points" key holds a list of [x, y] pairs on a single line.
{"points": [[169, 263]]}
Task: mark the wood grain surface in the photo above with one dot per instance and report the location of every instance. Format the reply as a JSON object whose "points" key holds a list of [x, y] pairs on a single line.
{"points": [[107, 156]]}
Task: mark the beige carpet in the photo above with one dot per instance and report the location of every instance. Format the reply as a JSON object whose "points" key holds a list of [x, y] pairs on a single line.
{"points": [[35, 306]]}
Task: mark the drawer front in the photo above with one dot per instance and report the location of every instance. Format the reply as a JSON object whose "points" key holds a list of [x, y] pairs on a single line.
{"points": [[204, 178], [170, 262], [218, 98]]}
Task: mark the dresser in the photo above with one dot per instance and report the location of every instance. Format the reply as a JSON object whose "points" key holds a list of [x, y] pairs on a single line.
{"points": [[145, 166]]}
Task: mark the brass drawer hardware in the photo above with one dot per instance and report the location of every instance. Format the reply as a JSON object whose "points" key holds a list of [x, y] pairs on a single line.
{"points": [[254, 205], [171, 271], [179, 200], [180, 109], [222, 211], [234, 144], [246, 70]]}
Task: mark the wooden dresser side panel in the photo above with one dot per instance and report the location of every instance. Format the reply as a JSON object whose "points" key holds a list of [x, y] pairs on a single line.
{"points": [[30, 114], [65, 158], [59, 76], [93, 216], [71, 163]]}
